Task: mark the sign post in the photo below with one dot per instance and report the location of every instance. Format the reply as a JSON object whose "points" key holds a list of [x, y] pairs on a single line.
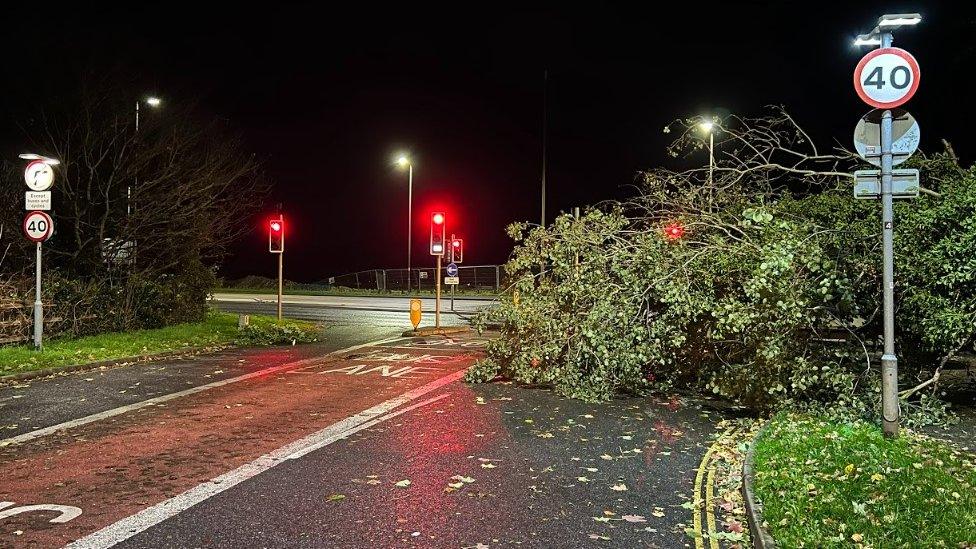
{"points": [[887, 78], [38, 227]]}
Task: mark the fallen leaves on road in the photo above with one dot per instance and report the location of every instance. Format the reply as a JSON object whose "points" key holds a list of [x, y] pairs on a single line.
{"points": [[634, 518], [619, 487], [403, 483], [336, 497]]}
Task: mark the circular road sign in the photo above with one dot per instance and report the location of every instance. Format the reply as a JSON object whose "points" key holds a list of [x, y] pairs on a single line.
{"points": [[905, 135], [886, 77], [452, 270], [39, 176], [38, 226]]}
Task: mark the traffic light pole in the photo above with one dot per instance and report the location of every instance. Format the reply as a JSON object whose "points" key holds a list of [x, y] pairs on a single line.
{"points": [[281, 278], [437, 301], [889, 360]]}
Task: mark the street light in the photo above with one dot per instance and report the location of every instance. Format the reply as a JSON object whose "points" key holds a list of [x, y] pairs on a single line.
{"points": [[404, 162], [47, 160], [707, 126], [153, 102]]}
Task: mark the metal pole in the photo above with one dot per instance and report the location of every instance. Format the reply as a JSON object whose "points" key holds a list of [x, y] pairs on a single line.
{"points": [[889, 361], [437, 300], [711, 166], [38, 306], [281, 272], [409, 223], [498, 281], [545, 123]]}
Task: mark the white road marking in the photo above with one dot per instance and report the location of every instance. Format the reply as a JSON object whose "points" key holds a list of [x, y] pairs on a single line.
{"points": [[179, 394], [65, 512], [151, 516]]}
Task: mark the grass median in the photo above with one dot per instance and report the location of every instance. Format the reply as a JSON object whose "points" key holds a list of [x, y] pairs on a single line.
{"points": [[830, 484], [219, 329]]}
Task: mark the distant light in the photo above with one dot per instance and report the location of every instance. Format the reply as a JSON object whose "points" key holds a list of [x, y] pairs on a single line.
{"points": [[438, 218], [275, 226], [706, 126], [403, 161], [674, 231], [899, 20], [44, 159], [154, 101], [437, 248], [456, 243], [867, 40]]}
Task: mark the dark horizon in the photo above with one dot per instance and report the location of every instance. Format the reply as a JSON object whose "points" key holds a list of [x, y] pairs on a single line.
{"points": [[328, 98]]}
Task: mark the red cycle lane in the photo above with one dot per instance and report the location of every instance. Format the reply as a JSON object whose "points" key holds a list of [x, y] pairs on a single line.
{"points": [[111, 469]]}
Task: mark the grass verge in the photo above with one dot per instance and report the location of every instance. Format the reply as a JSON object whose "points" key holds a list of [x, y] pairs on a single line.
{"points": [[829, 484], [217, 330]]}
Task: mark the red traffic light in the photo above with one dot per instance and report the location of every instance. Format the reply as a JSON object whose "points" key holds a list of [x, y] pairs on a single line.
{"points": [[438, 233], [438, 218], [456, 243], [276, 235], [674, 231]]}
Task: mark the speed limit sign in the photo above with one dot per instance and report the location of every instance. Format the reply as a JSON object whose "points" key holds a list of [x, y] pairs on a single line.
{"points": [[38, 226], [886, 77]]}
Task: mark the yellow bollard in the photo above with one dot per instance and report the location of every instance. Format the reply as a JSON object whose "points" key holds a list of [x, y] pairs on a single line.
{"points": [[415, 312]]}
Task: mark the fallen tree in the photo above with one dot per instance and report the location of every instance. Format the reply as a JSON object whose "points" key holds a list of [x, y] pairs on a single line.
{"points": [[759, 280]]}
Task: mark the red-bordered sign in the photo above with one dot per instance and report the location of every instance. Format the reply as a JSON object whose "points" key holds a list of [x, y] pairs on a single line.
{"points": [[38, 226], [886, 78]]}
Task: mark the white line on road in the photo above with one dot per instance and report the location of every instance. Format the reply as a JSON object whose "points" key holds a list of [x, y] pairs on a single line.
{"points": [[151, 516], [186, 392]]}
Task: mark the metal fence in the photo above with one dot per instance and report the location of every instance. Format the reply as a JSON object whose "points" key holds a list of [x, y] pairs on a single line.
{"points": [[473, 279]]}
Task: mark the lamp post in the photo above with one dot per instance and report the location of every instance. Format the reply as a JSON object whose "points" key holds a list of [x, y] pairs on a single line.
{"points": [[153, 102], [404, 162], [707, 127], [890, 413]]}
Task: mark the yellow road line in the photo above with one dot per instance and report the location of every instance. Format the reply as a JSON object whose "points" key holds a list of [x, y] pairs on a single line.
{"points": [[697, 516], [710, 508]]}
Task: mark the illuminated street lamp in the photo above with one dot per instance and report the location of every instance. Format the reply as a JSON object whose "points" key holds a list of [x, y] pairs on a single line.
{"points": [[47, 160], [707, 126], [153, 102], [404, 162]]}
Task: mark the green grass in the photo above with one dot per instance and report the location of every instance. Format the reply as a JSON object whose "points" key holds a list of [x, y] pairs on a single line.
{"points": [[828, 484], [218, 329]]}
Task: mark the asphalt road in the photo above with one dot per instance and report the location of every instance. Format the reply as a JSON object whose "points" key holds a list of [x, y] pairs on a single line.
{"points": [[367, 311], [367, 439]]}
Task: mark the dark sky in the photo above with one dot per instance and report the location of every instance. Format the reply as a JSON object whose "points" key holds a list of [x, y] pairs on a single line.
{"points": [[327, 94]]}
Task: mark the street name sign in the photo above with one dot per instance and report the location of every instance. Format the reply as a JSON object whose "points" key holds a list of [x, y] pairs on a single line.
{"points": [[38, 175], [452, 280], [867, 184], [452, 270], [37, 200], [38, 226], [905, 136], [886, 77]]}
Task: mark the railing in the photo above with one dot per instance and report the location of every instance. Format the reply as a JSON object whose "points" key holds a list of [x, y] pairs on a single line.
{"points": [[473, 279]]}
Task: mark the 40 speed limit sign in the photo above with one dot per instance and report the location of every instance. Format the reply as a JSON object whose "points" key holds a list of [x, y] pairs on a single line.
{"points": [[886, 77], [38, 226]]}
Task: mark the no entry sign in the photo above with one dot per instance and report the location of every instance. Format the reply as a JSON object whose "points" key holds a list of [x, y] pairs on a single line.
{"points": [[886, 77], [38, 226]]}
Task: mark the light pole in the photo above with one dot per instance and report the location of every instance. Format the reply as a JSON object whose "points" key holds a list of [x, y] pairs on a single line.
{"points": [[707, 127], [153, 102], [404, 162], [890, 414]]}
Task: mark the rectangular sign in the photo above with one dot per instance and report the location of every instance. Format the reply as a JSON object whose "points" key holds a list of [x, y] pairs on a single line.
{"points": [[867, 184], [37, 200], [452, 280]]}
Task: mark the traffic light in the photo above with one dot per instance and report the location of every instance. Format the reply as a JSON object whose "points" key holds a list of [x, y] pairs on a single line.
{"points": [[438, 230], [457, 250], [276, 235], [674, 231]]}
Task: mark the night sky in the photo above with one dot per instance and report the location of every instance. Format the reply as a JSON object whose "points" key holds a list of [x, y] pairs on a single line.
{"points": [[327, 95]]}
